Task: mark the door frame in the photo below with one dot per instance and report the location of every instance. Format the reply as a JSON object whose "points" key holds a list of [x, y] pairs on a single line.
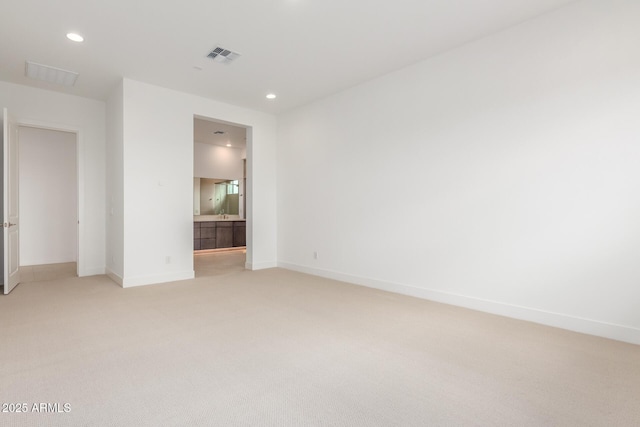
{"points": [[10, 156], [80, 229], [248, 187]]}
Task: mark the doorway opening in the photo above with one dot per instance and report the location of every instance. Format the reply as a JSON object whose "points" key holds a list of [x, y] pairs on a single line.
{"points": [[48, 203], [219, 195]]}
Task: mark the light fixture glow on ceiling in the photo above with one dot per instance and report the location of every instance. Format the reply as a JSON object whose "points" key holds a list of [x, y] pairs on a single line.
{"points": [[228, 145], [75, 37], [271, 96]]}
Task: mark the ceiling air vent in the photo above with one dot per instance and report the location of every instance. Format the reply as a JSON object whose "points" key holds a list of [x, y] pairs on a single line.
{"points": [[220, 54], [50, 74]]}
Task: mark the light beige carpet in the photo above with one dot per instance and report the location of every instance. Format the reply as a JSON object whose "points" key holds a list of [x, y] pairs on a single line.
{"points": [[220, 262], [36, 273], [280, 348]]}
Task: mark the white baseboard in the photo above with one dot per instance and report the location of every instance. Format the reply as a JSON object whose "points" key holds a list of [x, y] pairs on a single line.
{"points": [[260, 265], [558, 320], [113, 276], [39, 262], [129, 282]]}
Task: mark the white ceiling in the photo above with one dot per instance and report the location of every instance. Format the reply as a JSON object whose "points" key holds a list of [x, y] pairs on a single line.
{"points": [[299, 49], [203, 132]]}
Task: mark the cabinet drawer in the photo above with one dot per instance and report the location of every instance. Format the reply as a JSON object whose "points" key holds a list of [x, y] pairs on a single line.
{"points": [[208, 233], [239, 235], [207, 243], [224, 237]]}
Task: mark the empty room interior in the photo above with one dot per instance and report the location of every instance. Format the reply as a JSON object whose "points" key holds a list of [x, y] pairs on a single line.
{"points": [[293, 213]]}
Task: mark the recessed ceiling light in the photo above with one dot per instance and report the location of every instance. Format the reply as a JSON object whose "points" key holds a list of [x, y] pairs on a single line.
{"points": [[271, 96], [75, 37], [228, 145]]}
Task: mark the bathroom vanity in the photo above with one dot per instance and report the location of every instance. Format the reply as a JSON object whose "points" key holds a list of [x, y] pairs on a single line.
{"points": [[218, 231]]}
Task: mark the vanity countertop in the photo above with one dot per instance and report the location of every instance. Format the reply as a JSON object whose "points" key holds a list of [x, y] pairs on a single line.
{"points": [[206, 218]]}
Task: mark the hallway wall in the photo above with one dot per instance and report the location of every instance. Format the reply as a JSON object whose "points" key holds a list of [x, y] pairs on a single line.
{"points": [[48, 196], [86, 116], [153, 152]]}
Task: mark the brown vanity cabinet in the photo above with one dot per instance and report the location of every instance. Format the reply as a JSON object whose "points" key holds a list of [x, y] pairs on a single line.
{"points": [[208, 235], [218, 234], [224, 234], [239, 233]]}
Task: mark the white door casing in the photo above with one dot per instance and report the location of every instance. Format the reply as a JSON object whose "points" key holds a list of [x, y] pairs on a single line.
{"points": [[11, 222]]}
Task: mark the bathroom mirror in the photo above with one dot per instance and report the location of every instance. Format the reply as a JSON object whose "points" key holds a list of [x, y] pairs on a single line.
{"points": [[216, 196]]}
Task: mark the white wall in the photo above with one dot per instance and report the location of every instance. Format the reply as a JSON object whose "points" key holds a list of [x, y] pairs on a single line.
{"points": [[48, 196], [196, 196], [213, 161], [2, 198], [43, 108], [115, 185], [158, 171], [501, 176]]}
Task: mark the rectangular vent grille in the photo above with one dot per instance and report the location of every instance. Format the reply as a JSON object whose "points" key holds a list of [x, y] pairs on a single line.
{"points": [[222, 55], [50, 74]]}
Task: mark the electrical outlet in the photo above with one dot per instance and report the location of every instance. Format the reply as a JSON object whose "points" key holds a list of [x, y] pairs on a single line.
{"points": [[315, 254], [167, 260]]}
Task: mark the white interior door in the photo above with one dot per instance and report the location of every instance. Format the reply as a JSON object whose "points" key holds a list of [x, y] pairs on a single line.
{"points": [[10, 204]]}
